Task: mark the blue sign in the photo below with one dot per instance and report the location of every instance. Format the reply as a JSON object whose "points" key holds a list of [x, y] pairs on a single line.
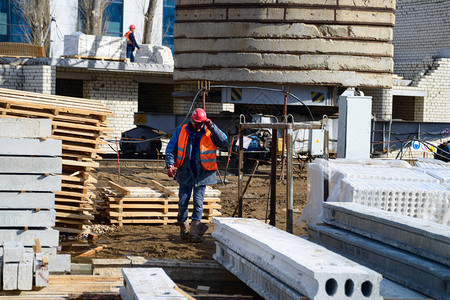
{"points": [[416, 145]]}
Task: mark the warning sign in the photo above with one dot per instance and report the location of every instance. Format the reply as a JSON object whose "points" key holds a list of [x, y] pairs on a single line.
{"points": [[317, 97], [317, 141], [236, 94], [445, 132], [140, 119], [416, 145]]}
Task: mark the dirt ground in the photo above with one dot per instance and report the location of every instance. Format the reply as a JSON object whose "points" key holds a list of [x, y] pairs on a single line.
{"points": [[159, 241]]}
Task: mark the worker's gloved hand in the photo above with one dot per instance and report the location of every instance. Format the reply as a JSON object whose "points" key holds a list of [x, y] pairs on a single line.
{"points": [[170, 171], [208, 123]]}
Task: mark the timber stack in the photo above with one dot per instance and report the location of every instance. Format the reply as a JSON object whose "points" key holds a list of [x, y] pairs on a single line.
{"points": [[151, 205], [81, 125]]}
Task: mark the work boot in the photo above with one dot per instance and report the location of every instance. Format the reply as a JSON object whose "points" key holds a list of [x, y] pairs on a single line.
{"points": [[194, 234], [184, 231], [202, 228]]}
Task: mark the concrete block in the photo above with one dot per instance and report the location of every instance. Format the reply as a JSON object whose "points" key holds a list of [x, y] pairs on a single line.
{"points": [[25, 128], [30, 183], [149, 283], [10, 273], [415, 272], [27, 218], [30, 165], [25, 273], [310, 269], [12, 200], [59, 263], [424, 238], [24, 146], [41, 271], [257, 278], [12, 251], [47, 237]]}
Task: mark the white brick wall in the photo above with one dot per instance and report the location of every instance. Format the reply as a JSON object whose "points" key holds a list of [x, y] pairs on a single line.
{"points": [[117, 92]]}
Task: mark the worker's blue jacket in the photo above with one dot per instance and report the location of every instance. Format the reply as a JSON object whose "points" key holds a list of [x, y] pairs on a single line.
{"points": [[191, 172]]}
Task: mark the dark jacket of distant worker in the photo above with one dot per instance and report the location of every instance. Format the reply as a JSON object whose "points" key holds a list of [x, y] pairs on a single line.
{"points": [[192, 149], [131, 42]]}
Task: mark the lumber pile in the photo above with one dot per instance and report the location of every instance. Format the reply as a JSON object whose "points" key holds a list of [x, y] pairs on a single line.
{"points": [[151, 205], [81, 125]]}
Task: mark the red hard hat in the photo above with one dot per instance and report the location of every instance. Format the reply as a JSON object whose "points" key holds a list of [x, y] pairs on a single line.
{"points": [[199, 115], [132, 26]]}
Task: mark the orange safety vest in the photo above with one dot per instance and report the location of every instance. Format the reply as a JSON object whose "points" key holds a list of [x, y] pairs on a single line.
{"points": [[127, 35], [208, 156]]}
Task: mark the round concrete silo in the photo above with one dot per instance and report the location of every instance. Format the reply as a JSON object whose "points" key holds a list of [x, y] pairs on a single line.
{"points": [[304, 42]]}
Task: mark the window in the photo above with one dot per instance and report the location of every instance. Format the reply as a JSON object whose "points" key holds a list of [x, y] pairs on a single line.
{"points": [[12, 26], [168, 21], [112, 18]]}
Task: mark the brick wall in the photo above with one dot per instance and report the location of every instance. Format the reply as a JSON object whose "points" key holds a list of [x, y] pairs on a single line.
{"points": [[381, 102], [39, 79], [11, 77], [117, 92]]}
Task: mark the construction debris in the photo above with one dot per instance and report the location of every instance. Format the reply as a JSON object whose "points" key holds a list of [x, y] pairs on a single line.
{"points": [[81, 126], [289, 263], [144, 205]]}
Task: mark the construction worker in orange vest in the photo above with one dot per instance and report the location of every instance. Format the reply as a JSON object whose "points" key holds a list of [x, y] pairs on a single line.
{"points": [[131, 42], [192, 149]]}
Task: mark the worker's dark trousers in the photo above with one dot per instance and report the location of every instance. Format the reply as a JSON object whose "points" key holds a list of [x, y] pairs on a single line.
{"points": [[130, 54], [184, 195]]}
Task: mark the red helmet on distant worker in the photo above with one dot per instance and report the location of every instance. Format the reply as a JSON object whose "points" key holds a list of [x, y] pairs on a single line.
{"points": [[199, 115], [132, 26]]}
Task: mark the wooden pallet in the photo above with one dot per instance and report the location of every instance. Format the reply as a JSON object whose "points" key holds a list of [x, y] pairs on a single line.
{"points": [[81, 125], [156, 205]]}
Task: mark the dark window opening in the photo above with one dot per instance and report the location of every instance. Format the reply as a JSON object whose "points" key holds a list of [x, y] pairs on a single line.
{"points": [[69, 87], [155, 98], [403, 108]]}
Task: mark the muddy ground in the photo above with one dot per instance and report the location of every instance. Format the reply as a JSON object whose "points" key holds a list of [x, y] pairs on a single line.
{"points": [[163, 241]]}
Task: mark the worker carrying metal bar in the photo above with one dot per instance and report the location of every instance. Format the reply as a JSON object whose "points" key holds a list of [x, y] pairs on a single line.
{"points": [[131, 42], [192, 149]]}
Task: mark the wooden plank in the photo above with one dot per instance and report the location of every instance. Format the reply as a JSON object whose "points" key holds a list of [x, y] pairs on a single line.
{"points": [[174, 200], [89, 164], [161, 187], [73, 208], [125, 191], [81, 126], [159, 206], [74, 216]]}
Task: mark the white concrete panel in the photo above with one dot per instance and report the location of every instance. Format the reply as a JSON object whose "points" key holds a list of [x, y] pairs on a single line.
{"points": [[25, 128], [149, 283], [25, 273], [30, 165], [310, 269], [23, 218], [47, 237], [41, 271], [31, 183], [21, 200], [12, 251], [23, 146], [10, 272], [59, 263]]}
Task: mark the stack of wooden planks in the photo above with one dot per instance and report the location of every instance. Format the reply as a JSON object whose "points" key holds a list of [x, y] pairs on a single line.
{"points": [[151, 205], [81, 125]]}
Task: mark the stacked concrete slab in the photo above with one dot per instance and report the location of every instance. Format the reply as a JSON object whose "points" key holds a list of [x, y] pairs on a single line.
{"points": [[279, 265], [345, 42], [149, 283], [404, 249], [29, 162], [94, 46], [154, 54], [389, 185]]}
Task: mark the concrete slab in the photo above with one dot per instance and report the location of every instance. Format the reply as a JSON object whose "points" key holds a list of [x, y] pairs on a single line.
{"points": [[30, 165], [30, 183], [25, 273], [415, 272], [310, 269], [24, 218], [25, 128], [427, 239], [47, 237], [11, 200], [41, 271], [24, 146], [392, 290], [10, 272], [256, 278], [149, 283], [59, 263], [12, 251]]}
